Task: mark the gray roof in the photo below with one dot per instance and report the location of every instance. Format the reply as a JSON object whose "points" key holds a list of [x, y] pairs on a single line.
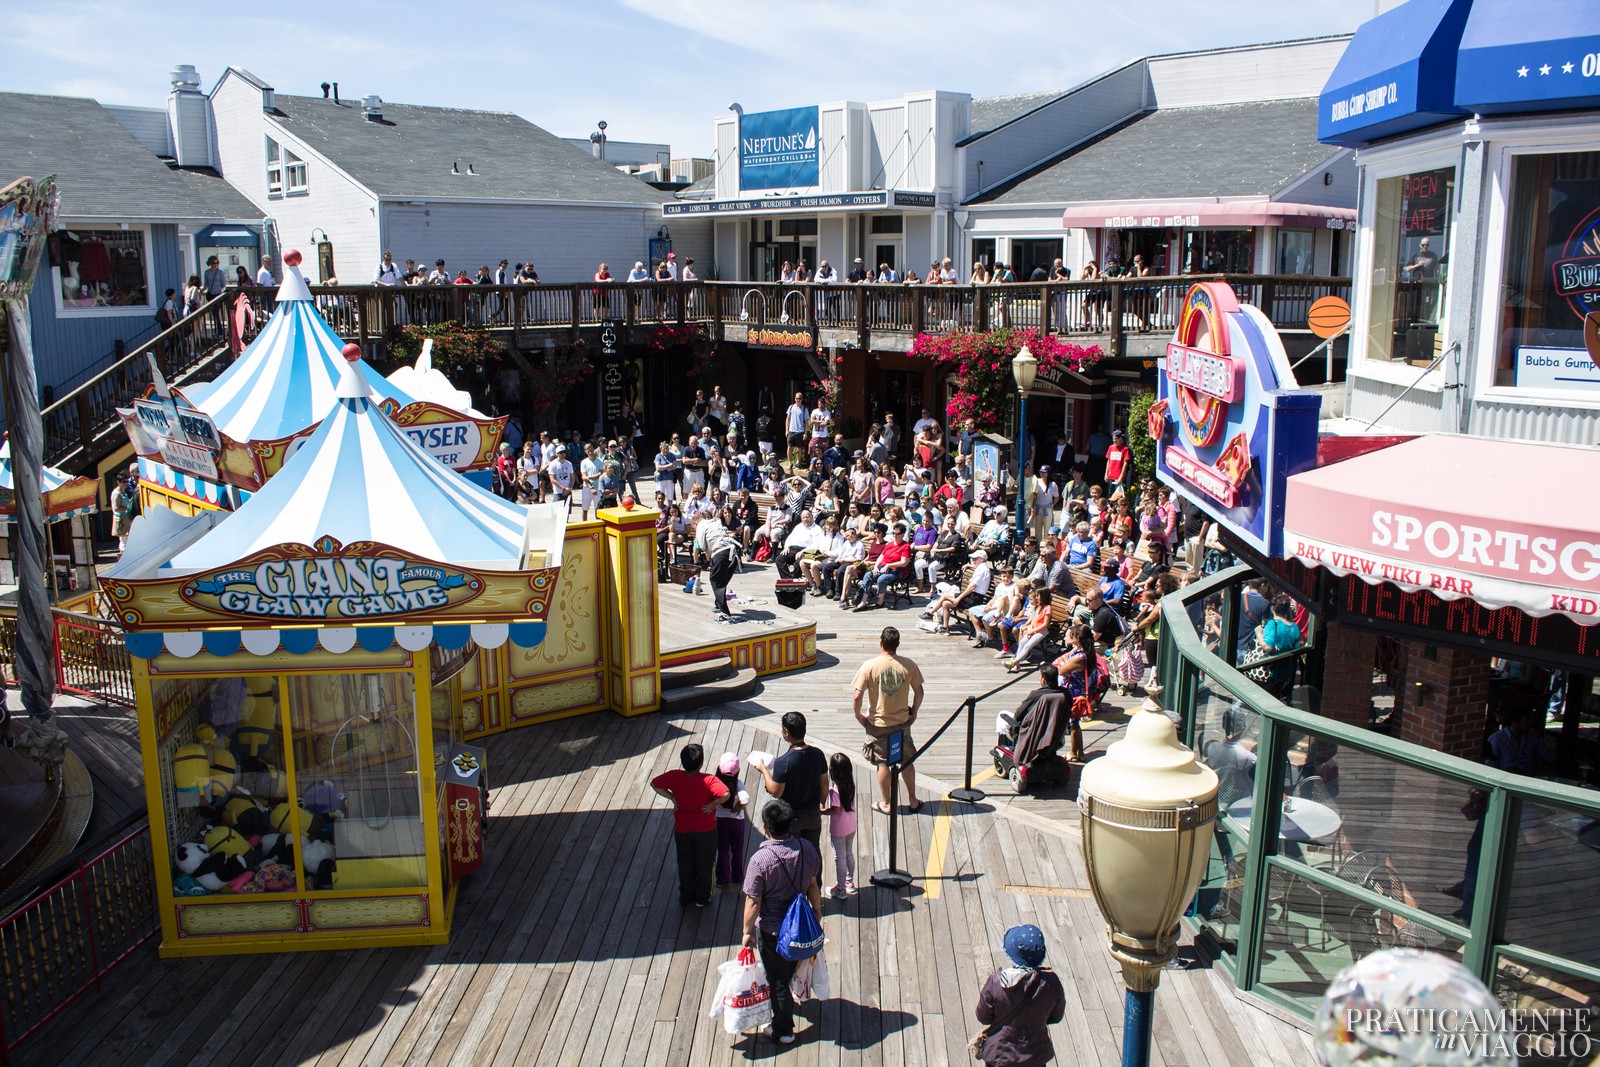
{"points": [[102, 172], [1223, 150], [410, 152], [704, 189], [990, 112]]}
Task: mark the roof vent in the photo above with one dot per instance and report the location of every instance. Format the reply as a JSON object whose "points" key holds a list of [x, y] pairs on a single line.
{"points": [[185, 79], [372, 108], [472, 170]]}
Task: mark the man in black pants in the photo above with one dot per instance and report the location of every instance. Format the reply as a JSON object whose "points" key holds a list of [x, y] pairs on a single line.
{"points": [[783, 868], [720, 549], [800, 776], [695, 798]]}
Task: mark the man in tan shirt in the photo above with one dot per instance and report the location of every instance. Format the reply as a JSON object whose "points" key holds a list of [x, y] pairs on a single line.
{"points": [[892, 686]]}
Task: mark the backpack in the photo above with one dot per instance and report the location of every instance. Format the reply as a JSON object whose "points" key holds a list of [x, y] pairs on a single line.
{"points": [[800, 934]]}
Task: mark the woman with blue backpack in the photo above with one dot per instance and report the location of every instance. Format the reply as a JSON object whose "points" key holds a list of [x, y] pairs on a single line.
{"points": [[781, 884]]}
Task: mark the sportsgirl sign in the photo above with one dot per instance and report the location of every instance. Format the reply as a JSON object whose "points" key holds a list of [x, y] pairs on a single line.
{"points": [[1420, 515]]}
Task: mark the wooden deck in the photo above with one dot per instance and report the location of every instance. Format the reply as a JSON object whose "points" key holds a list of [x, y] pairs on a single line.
{"points": [[564, 954]]}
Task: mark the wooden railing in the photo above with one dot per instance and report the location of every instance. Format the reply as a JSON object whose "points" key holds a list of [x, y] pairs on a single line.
{"points": [[64, 941], [91, 656], [81, 426]]}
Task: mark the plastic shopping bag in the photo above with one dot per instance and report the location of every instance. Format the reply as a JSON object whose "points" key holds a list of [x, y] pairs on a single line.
{"points": [[744, 1000], [810, 980]]}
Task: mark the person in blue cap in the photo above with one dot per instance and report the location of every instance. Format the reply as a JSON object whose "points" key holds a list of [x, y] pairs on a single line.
{"points": [[1018, 1004]]}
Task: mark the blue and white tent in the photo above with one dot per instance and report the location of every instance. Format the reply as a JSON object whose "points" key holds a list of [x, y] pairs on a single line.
{"points": [[287, 379], [64, 495], [358, 477]]}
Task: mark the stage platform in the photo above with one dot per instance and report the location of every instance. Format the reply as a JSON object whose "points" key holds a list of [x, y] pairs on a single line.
{"points": [[764, 636]]}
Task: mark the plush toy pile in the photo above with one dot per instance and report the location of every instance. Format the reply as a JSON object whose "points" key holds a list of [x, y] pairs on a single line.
{"points": [[228, 775]]}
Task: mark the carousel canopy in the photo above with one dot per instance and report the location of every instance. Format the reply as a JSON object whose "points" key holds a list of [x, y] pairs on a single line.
{"points": [[288, 378], [64, 495]]}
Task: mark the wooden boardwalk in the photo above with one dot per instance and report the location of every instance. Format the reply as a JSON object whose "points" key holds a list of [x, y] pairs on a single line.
{"points": [[570, 947]]}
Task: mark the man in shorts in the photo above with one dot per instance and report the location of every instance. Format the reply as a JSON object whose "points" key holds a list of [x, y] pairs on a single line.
{"points": [[892, 687], [795, 420]]}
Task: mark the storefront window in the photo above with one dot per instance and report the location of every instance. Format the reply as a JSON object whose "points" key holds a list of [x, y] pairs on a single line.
{"points": [[1294, 251], [1411, 222], [1218, 251], [100, 268], [1551, 277], [983, 251], [357, 771]]}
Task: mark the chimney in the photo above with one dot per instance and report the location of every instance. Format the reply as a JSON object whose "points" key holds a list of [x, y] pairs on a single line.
{"points": [[335, 92], [372, 107], [325, 88], [189, 119]]}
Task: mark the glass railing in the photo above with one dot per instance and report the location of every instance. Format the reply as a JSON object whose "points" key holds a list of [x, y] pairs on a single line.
{"points": [[1336, 841]]}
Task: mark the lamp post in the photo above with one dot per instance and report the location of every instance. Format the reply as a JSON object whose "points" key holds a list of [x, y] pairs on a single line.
{"points": [[1024, 368], [1147, 809]]}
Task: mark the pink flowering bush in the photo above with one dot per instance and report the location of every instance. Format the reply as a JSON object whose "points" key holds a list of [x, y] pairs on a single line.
{"points": [[980, 364]]}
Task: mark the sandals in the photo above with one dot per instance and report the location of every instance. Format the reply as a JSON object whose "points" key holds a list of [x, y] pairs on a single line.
{"points": [[881, 808], [914, 808]]}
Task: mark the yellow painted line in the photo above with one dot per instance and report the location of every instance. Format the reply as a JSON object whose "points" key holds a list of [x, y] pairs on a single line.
{"points": [[933, 879], [983, 775], [1047, 891]]}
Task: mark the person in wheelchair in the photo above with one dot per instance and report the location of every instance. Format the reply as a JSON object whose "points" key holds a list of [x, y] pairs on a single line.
{"points": [[1028, 750]]}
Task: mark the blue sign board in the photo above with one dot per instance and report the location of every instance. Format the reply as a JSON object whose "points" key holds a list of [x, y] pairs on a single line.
{"points": [[778, 149], [1230, 422], [1517, 56], [1396, 74], [897, 751]]}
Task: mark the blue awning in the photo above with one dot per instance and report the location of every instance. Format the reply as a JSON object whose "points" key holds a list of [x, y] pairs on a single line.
{"points": [[1397, 74], [1517, 56], [232, 236]]}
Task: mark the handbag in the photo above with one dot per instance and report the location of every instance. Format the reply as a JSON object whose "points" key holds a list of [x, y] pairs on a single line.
{"points": [[1082, 706], [975, 1046]]}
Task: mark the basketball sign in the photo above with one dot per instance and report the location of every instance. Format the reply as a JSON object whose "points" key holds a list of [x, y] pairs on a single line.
{"points": [[1328, 317]]}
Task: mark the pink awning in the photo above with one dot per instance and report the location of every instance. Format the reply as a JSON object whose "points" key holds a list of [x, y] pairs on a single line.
{"points": [[1503, 523], [1170, 214]]}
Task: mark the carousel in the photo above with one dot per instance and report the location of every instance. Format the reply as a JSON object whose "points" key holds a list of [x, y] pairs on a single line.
{"points": [[210, 445], [298, 665]]}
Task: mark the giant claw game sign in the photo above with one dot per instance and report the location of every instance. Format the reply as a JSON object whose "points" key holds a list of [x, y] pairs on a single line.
{"points": [[331, 584], [1230, 422]]}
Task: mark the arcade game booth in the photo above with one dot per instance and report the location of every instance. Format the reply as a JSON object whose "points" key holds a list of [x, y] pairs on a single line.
{"points": [[297, 665]]}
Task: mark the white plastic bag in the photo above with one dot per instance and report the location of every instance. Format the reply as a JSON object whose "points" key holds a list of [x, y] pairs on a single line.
{"points": [[744, 1000], [810, 980], [759, 760]]}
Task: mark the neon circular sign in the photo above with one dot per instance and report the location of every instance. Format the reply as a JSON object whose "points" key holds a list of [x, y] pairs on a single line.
{"points": [[1205, 379]]}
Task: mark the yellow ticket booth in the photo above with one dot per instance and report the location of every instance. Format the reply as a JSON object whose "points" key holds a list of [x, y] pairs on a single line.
{"points": [[298, 667]]}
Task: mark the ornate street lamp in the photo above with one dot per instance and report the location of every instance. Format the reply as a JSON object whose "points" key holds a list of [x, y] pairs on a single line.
{"points": [[1147, 810], [1024, 368]]}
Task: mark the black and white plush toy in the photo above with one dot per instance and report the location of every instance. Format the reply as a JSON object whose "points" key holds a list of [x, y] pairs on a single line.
{"points": [[211, 871]]}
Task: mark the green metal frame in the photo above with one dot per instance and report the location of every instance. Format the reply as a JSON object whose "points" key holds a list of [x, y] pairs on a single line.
{"points": [[1184, 658]]}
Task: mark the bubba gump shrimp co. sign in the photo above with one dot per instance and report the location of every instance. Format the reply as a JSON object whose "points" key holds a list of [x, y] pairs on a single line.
{"points": [[331, 583]]}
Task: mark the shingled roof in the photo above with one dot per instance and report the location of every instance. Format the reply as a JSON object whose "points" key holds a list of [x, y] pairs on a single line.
{"points": [[1252, 149], [992, 112], [102, 172], [409, 153]]}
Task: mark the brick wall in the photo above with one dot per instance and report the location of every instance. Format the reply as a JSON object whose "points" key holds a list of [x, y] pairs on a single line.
{"points": [[1451, 715], [1347, 674]]}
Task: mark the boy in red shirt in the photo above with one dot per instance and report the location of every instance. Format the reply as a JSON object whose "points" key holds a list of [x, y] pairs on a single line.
{"points": [[694, 797]]}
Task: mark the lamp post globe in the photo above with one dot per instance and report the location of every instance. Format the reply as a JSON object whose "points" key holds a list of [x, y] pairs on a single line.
{"points": [[1148, 810], [1024, 369]]}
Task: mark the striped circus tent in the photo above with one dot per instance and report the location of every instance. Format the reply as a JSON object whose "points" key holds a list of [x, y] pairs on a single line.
{"points": [[357, 477], [286, 380]]}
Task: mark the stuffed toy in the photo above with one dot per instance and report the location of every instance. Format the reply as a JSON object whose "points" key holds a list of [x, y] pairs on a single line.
{"points": [[224, 775], [262, 779], [226, 841], [277, 844], [319, 861], [246, 814], [210, 871], [258, 726], [191, 774], [269, 878], [324, 798]]}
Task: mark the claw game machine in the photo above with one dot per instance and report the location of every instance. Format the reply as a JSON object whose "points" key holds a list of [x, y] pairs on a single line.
{"points": [[297, 665]]}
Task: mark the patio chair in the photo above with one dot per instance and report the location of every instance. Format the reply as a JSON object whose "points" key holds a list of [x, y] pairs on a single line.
{"points": [[1371, 929]]}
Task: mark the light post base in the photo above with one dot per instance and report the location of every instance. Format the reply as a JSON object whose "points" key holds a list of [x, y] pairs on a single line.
{"points": [[970, 796], [891, 879]]}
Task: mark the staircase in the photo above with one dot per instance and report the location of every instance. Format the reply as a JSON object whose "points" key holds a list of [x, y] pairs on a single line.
{"points": [[82, 427], [703, 684]]}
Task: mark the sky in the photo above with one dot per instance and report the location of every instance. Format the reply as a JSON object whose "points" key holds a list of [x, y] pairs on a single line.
{"points": [[653, 70]]}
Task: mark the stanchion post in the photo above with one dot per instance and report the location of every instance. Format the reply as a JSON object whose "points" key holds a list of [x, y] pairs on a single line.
{"points": [[892, 877], [966, 792]]}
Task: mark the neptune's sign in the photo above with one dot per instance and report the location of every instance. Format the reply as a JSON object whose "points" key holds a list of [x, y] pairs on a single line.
{"points": [[778, 149]]}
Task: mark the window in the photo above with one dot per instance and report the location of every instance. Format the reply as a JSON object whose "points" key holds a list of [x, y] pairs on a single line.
{"points": [[1411, 222], [1551, 274], [96, 269], [888, 224], [983, 251], [797, 227], [274, 169], [294, 173], [1217, 251], [1294, 251]]}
